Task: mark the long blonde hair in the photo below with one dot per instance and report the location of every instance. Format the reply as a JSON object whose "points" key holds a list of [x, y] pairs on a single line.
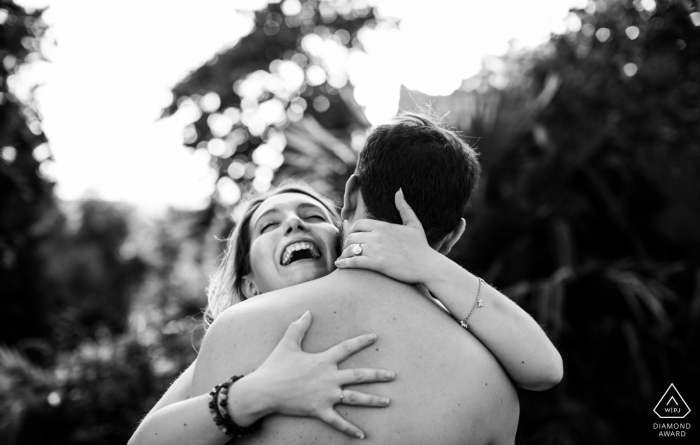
{"points": [[226, 286]]}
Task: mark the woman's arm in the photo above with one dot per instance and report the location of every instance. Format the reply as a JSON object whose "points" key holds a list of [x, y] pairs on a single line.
{"points": [[184, 422], [290, 382], [179, 390], [510, 333]]}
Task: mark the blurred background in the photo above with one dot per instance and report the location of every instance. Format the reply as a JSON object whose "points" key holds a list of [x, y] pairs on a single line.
{"points": [[130, 131]]}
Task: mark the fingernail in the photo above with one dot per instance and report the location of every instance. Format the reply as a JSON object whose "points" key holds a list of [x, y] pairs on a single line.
{"points": [[384, 401], [359, 435], [389, 375], [306, 314], [373, 337]]}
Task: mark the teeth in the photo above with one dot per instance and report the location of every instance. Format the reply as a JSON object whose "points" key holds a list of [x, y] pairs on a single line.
{"points": [[302, 245]]}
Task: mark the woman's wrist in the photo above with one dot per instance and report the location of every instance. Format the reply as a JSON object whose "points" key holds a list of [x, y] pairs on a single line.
{"points": [[430, 268], [247, 401], [440, 272], [455, 287]]}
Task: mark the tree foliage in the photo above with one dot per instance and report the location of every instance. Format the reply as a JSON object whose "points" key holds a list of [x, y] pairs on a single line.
{"points": [[27, 207], [69, 359], [585, 216], [274, 91], [588, 209], [121, 309]]}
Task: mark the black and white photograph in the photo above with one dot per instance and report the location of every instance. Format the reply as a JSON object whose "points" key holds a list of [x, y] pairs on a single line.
{"points": [[395, 222]]}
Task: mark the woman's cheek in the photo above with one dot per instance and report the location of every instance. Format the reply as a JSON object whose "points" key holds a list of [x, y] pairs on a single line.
{"points": [[262, 254], [333, 243]]}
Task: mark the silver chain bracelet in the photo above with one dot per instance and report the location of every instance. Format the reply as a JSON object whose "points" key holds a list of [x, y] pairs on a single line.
{"points": [[477, 303]]}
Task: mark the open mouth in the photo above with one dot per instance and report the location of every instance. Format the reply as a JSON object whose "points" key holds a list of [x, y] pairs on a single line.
{"points": [[302, 250]]}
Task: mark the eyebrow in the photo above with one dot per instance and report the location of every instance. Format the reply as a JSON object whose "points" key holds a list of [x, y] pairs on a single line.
{"points": [[267, 212], [305, 206]]}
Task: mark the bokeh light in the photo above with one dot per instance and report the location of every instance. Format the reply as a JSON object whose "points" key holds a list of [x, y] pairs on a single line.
{"points": [[648, 5], [315, 75], [603, 34], [429, 49], [42, 152], [228, 191], [236, 170], [573, 22], [695, 18], [220, 148], [291, 7], [53, 399], [321, 103], [220, 124], [8, 154], [48, 170], [630, 69]]}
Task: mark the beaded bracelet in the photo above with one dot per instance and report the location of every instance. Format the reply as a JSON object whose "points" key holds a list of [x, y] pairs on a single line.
{"points": [[477, 303], [218, 398]]}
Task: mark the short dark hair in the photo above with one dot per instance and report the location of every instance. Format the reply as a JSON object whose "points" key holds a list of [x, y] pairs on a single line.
{"points": [[436, 170]]}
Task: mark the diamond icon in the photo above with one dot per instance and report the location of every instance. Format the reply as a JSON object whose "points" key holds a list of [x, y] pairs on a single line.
{"points": [[672, 405]]}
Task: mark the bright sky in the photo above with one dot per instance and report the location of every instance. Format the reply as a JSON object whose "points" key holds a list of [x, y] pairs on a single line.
{"points": [[109, 77]]}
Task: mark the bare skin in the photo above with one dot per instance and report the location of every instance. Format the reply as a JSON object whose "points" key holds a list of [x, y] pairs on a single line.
{"points": [[308, 386], [449, 389], [401, 252]]}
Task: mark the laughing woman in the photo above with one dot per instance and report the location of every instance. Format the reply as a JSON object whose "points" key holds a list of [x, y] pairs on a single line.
{"points": [[295, 383]]}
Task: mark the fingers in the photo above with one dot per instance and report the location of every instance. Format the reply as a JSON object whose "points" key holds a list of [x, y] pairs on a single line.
{"points": [[348, 250], [349, 260], [332, 418], [408, 216], [357, 238], [356, 262], [364, 375], [367, 225], [345, 349], [351, 397], [346, 253], [296, 331]]}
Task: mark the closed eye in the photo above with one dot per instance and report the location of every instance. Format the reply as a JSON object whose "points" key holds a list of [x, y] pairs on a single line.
{"points": [[316, 217], [267, 226]]}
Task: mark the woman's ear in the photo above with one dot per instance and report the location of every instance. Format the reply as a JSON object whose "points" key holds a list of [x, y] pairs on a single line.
{"points": [[249, 288], [452, 237], [352, 190]]}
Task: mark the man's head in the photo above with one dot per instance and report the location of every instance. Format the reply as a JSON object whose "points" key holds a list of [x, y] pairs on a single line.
{"points": [[436, 170]]}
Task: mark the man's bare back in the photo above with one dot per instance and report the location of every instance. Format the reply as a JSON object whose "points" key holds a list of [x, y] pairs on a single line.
{"points": [[449, 389]]}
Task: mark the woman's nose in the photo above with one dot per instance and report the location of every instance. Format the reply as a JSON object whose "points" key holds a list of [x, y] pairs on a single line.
{"points": [[295, 224]]}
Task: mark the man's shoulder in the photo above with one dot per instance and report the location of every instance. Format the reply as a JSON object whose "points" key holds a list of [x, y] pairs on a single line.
{"points": [[267, 305], [350, 291], [323, 291], [234, 342]]}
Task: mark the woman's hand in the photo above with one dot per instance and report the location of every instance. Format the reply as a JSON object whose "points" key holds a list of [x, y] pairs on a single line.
{"points": [[296, 383], [510, 333], [400, 252]]}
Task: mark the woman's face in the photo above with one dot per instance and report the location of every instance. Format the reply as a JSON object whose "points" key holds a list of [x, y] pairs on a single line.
{"points": [[293, 240]]}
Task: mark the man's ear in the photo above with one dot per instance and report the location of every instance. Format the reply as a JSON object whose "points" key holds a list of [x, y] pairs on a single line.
{"points": [[249, 288], [452, 237], [352, 191]]}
